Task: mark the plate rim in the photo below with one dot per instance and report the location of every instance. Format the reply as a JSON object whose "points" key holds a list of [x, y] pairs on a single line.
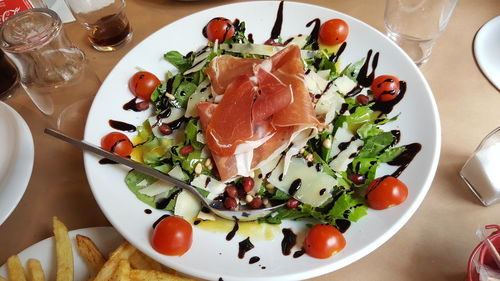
{"points": [[24, 161], [401, 220], [480, 36]]}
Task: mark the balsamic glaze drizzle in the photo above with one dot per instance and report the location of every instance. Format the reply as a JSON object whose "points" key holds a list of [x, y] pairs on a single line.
{"points": [[122, 126], [244, 246], [289, 240]]}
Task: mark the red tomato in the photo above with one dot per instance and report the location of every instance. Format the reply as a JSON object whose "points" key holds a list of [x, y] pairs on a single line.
{"points": [[143, 83], [173, 236], [219, 29], [333, 32], [117, 143], [322, 241], [385, 88], [386, 192]]}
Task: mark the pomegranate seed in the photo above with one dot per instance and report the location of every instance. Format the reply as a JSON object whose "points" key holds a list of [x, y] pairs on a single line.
{"points": [[230, 203], [241, 192], [248, 184], [357, 178], [292, 203], [185, 150], [232, 191], [256, 203], [362, 99], [165, 129]]}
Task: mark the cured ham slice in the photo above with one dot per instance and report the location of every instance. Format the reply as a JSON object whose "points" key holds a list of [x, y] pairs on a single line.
{"points": [[222, 71], [264, 110]]}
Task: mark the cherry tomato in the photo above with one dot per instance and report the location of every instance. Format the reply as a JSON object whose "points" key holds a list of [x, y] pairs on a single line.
{"points": [[385, 88], [173, 236], [322, 241], [117, 143], [386, 192], [143, 83], [333, 32], [219, 29]]}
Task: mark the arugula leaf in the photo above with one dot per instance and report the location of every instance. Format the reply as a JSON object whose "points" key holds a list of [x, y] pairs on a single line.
{"points": [[178, 60], [134, 178], [375, 145], [352, 70], [184, 91], [191, 131], [280, 195], [344, 205], [282, 214], [369, 130], [391, 154]]}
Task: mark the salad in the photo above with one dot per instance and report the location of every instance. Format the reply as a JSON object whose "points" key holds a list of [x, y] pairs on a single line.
{"points": [[256, 125]]}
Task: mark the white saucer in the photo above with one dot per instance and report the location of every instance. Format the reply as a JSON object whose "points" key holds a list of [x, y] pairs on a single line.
{"points": [[16, 159], [487, 50], [106, 239]]}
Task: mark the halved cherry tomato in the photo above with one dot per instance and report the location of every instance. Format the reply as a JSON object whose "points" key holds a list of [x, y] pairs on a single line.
{"points": [[219, 29], [322, 241], [143, 83], [385, 88], [333, 32], [117, 143], [173, 236], [386, 192]]}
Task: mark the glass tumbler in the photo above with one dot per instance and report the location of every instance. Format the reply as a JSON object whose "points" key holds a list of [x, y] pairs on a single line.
{"points": [[105, 20], [53, 71], [481, 172], [416, 24]]}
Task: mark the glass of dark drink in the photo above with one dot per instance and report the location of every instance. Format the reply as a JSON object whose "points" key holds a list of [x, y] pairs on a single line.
{"points": [[9, 78], [105, 20]]}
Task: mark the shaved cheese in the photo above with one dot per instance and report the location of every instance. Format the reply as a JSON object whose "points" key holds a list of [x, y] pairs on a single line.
{"points": [[200, 137], [176, 114], [342, 135], [202, 93], [315, 187], [200, 60], [205, 216], [344, 84], [251, 145], [300, 138], [213, 186], [178, 173], [187, 205], [324, 74], [156, 188], [315, 83], [299, 40], [343, 159], [142, 183], [260, 49], [328, 105], [244, 163]]}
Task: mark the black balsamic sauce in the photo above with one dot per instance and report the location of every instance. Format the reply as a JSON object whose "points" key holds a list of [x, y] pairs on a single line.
{"points": [[319, 167], [276, 31], [220, 279], [397, 136], [205, 210], [148, 211], [159, 220], [122, 126], [363, 79], [163, 203], [343, 108], [294, 187], [106, 161], [244, 246], [231, 234], [310, 164], [322, 191], [386, 107], [197, 222], [356, 90], [342, 225], [134, 105], [253, 260], [289, 240], [334, 57], [250, 37], [299, 253], [313, 37], [404, 159]]}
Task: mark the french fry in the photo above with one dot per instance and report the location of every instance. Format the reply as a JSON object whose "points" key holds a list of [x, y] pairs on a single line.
{"points": [[124, 251], [2, 279], [122, 273], [15, 269], [140, 261], [35, 271], [64, 252], [154, 275], [90, 253]]}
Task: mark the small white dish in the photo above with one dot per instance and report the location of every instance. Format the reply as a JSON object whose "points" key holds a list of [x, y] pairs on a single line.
{"points": [[16, 159], [106, 239], [486, 50]]}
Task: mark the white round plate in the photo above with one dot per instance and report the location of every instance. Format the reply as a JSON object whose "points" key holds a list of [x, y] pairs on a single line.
{"points": [[16, 159], [211, 256], [486, 50], [106, 239]]}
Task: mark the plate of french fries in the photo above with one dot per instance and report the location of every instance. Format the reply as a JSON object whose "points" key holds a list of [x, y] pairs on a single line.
{"points": [[96, 253]]}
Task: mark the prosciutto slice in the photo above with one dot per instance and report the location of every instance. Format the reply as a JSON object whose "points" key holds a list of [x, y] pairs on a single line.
{"points": [[265, 109]]}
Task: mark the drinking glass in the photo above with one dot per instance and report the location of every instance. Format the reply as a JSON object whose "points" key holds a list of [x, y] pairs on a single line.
{"points": [[481, 171], [416, 24], [105, 20], [53, 71], [9, 78]]}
